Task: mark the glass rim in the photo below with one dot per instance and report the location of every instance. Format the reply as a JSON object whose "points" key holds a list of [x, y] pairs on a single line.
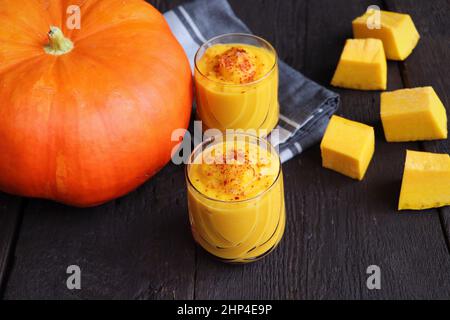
{"points": [[248, 35], [211, 139]]}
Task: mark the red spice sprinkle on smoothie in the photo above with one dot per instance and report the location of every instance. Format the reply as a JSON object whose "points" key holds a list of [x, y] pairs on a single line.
{"points": [[236, 171], [236, 61]]}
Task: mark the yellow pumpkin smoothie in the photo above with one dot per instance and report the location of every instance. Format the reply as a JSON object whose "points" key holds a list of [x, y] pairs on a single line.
{"points": [[236, 197], [236, 78]]}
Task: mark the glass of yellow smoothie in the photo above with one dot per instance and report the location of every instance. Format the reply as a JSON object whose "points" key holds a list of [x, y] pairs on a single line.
{"points": [[236, 197], [236, 79]]}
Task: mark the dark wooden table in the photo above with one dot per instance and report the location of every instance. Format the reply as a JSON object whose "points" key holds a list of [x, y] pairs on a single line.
{"points": [[140, 246]]}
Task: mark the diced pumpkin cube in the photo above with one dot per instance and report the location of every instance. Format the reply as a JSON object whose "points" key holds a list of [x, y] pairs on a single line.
{"points": [[362, 65], [413, 114], [347, 147], [396, 30], [426, 181]]}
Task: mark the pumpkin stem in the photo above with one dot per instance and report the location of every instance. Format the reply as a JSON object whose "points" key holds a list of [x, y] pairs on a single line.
{"points": [[58, 44]]}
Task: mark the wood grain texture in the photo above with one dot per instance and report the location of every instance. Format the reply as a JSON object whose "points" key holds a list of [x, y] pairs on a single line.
{"points": [[337, 227], [371, 231], [137, 247], [140, 247], [429, 65], [10, 215], [358, 221], [281, 275]]}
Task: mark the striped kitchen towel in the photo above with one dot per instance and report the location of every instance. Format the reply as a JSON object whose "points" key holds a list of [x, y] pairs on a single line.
{"points": [[305, 107]]}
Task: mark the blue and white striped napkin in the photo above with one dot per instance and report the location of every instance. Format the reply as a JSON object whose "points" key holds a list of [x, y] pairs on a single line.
{"points": [[305, 107]]}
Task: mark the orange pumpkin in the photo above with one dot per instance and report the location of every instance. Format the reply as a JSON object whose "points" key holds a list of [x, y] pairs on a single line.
{"points": [[86, 115]]}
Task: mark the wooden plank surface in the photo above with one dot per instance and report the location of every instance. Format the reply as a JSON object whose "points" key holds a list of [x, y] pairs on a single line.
{"points": [[137, 247], [429, 65], [10, 215], [283, 273], [355, 224], [140, 247], [337, 227]]}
